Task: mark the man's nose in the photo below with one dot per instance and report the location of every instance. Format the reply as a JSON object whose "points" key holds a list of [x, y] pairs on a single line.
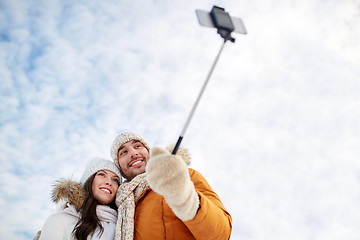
{"points": [[133, 152]]}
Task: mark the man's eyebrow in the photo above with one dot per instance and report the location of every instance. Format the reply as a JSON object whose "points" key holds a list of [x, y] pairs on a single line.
{"points": [[122, 146], [132, 141]]}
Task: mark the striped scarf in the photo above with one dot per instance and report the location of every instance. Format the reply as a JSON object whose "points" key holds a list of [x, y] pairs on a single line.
{"points": [[126, 197]]}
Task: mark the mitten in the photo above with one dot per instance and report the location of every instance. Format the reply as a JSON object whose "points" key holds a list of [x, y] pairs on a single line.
{"points": [[168, 175]]}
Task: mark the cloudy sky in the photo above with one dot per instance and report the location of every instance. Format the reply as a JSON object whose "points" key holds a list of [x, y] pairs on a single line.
{"points": [[276, 134]]}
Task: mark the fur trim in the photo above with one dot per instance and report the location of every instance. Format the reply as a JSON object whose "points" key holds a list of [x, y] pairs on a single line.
{"points": [[70, 191]]}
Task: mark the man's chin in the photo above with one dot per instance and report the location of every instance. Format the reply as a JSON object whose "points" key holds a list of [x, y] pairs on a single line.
{"points": [[137, 171], [140, 170]]}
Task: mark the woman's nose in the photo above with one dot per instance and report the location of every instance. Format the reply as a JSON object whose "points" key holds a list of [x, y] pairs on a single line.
{"points": [[108, 181]]}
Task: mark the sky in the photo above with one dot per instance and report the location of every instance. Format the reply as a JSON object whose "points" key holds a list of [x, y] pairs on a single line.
{"points": [[276, 133]]}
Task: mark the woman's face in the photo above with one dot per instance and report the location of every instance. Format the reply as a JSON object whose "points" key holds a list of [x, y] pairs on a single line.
{"points": [[104, 186]]}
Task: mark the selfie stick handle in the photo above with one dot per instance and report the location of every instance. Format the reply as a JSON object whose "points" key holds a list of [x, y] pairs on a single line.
{"points": [[197, 101]]}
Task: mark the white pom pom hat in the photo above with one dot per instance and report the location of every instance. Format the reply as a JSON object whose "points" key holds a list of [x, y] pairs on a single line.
{"points": [[124, 138], [96, 164]]}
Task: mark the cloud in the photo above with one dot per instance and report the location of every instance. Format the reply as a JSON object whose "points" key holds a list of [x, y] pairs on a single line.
{"points": [[276, 132]]}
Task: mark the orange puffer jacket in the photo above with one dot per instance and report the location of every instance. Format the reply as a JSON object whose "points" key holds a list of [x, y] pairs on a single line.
{"points": [[154, 220]]}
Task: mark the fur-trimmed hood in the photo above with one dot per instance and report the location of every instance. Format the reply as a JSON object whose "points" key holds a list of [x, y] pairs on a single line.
{"points": [[69, 191], [66, 191]]}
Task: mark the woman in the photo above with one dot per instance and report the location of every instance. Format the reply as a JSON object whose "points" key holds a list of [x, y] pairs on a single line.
{"points": [[90, 211]]}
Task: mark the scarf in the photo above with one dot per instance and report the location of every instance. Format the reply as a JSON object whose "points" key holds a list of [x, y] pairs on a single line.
{"points": [[107, 217], [126, 197]]}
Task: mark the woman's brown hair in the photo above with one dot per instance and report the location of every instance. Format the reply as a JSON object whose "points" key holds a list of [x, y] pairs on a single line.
{"points": [[88, 218]]}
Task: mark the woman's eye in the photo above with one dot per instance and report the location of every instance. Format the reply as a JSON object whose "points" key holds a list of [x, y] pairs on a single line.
{"points": [[101, 174], [117, 181]]}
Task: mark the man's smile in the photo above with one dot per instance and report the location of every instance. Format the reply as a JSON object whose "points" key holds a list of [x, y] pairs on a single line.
{"points": [[136, 162]]}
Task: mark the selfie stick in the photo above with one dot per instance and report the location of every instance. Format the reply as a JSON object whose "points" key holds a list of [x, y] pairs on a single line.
{"points": [[225, 25]]}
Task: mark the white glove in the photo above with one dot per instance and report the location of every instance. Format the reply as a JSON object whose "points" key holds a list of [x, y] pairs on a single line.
{"points": [[168, 175]]}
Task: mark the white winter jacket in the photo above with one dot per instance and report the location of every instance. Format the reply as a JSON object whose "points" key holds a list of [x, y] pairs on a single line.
{"points": [[59, 226]]}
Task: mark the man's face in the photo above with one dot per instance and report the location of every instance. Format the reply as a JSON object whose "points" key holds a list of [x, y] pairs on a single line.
{"points": [[132, 157]]}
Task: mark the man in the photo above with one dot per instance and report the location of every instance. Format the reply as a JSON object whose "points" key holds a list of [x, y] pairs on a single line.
{"points": [[162, 198]]}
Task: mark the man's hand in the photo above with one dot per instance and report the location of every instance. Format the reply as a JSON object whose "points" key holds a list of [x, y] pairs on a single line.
{"points": [[168, 175]]}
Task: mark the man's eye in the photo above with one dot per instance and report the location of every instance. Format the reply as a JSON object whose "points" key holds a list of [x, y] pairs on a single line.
{"points": [[123, 152]]}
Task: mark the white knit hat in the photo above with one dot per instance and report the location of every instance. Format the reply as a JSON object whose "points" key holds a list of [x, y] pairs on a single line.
{"points": [[96, 164], [124, 138]]}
